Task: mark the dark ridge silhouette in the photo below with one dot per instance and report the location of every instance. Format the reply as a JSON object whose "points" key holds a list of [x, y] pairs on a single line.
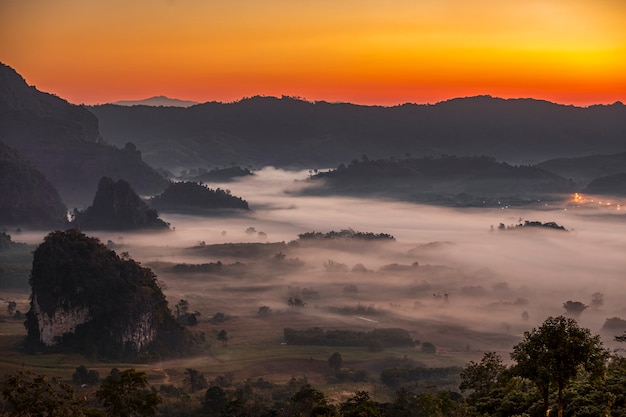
{"points": [[86, 298], [585, 169], [611, 185], [116, 206], [287, 132], [63, 141], [27, 198], [462, 181], [195, 197]]}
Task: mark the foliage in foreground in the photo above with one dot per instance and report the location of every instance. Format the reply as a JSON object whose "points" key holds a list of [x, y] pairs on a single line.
{"points": [[590, 384]]}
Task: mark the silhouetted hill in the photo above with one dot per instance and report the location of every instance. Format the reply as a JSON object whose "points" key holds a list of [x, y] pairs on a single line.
{"points": [[611, 184], [287, 132], [116, 206], [465, 181], [27, 198], [585, 169], [157, 101], [191, 196], [85, 297], [63, 141]]}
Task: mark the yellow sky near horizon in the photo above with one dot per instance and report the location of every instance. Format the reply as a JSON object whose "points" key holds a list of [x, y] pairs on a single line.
{"points": [[370, 52]]}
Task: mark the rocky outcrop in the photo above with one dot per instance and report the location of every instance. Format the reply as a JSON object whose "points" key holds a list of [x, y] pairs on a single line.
{"points": [[86, 298], [116, 206], [53, 327], [27, 198]]}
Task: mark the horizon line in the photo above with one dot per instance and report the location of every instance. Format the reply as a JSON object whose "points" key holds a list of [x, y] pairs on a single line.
{"points": [[304, 99]]}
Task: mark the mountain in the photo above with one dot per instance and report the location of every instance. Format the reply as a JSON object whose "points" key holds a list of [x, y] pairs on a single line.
{"points": [[87, 298], [157, 101], [116, 206], [63, 141], [27, 198], [287, 132]]}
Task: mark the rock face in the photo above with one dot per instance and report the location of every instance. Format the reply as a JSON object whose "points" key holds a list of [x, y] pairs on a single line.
{"points": [[63, 141], [116, 206], [84, 296]]}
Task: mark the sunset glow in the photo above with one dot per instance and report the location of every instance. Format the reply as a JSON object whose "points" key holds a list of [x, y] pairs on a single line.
{"points": [[567, 51]]}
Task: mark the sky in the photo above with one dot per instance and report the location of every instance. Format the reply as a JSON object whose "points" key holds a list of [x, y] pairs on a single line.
{"points": [[360, 51]]}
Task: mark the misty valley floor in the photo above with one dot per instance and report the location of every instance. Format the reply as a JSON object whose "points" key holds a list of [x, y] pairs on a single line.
{"points": [[449, 278]]}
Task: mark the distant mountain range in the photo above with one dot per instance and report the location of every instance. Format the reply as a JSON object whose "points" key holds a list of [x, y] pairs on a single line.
{"points": [[63, 142], [288, 132], [157, 101]]}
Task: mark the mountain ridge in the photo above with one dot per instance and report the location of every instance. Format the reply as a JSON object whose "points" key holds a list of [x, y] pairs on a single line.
{"points": [[291, 133]]}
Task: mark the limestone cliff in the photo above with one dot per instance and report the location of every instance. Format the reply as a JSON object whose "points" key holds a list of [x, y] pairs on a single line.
{"points": [[85, 297]]}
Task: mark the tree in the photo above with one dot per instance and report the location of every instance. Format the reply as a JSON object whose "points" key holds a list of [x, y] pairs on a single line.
{"points": [[428, 347], [554, 353], [126, 394], [264, 311], [308, 402], [215, 401], [31, 394], [195, 380], [182, 308], [85, 376], [574, 308], [482, 377], [11, 306], [335, 362], [222, 336], [360, 405]]}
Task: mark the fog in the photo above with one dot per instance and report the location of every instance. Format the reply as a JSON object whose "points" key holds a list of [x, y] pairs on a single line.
{"points": [[474, 287]]}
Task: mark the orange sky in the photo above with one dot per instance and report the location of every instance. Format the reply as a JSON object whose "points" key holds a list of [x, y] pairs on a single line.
{"points": [[362, 51]]}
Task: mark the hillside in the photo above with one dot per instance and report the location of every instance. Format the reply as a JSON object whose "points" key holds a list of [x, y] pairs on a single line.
{"points": [[450, 180], [27, 198], [610, 184], [63, 141], [195, 197], [584, 169], [288, 132]]}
